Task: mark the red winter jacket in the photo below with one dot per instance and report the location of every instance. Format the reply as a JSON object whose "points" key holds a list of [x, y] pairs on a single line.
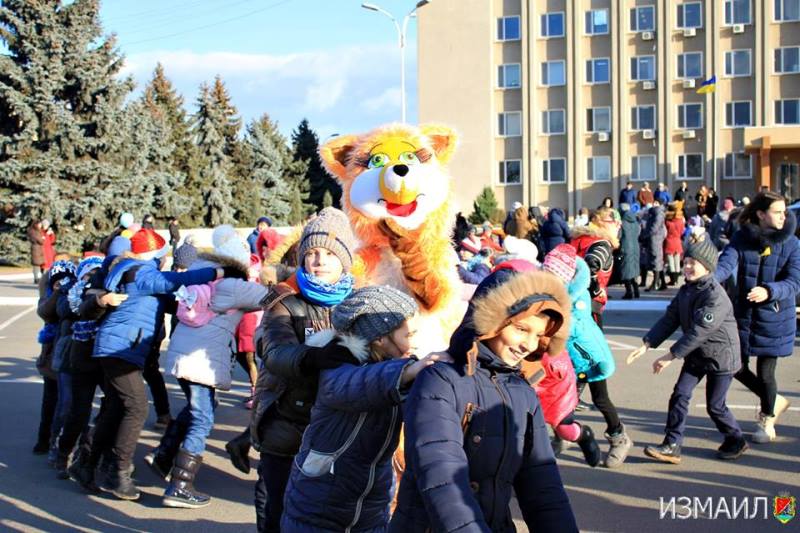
{"points": [[557, 390], [674, 242], [596, 246]]}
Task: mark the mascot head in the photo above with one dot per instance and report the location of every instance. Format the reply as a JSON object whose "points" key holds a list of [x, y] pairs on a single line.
{"points": [[394, 172]]}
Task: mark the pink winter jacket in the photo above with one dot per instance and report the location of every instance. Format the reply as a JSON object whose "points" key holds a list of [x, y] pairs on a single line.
{"points": [[557, 390]]}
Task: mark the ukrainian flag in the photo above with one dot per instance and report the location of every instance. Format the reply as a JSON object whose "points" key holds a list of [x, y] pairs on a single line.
{"points": [[708, 86]]}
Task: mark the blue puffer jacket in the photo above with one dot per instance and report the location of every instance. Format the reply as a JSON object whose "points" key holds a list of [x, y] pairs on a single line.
{"points": [[555, 231], [767, 328], [587, 345], [128, 331], [341, 479], [472, 439]]}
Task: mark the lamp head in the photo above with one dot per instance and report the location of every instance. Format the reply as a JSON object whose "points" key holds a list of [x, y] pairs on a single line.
{"points": [[371, 7]]}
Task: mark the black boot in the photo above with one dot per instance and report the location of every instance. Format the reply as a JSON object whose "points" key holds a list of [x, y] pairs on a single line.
{"points": [[161, 458], [666, 453], [628, 290], [635, 290], [239, 450], [180, 492], [117, 481], [673, 279], [62, 461], [589, 447], [643, 282], [662, 281], [82, 471]]}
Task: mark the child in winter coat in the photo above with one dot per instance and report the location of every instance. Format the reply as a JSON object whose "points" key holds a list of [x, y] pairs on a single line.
{"points": [[588, 348], [245, 331], [709, 348], [475, 430], [342, 477], [673, 245], [199, 356]]}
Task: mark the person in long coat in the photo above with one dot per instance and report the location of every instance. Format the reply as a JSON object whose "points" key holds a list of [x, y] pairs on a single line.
{"points": [[655, 232], [36, 238], [629, 246], [673, 245]]}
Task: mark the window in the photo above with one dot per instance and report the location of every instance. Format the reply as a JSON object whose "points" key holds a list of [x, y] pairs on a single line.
{"points": [[737, 63], [787, 10], [643, 68], [787, 60], [690, 15], [737, 12], [643, 117], [552, 25], [508, 76], [553, 122], [599, 168], [509, 124], [510, 172], [596, 22], [598, 70], [738, 166], [643, 18], [508, 29], [553, 73], [787, 112], [643, 168], [690, 116], [690, 166], [738, 114], [598, 119], [554, 170], [690, 65]]}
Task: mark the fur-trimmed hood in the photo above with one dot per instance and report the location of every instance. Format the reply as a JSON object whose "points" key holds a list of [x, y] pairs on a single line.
{"points": [[755, 236], [593, 230], [358, 347], [506, 294], [207, 259]]}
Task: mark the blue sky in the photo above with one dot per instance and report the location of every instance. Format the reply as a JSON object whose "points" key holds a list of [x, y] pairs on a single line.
{"points": [[330, 61]]}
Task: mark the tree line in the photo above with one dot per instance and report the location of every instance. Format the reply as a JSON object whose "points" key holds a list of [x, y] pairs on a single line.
{"points": [[77, 149]]}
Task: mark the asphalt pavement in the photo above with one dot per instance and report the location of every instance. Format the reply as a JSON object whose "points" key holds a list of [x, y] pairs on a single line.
{"points": [[625, 499]]}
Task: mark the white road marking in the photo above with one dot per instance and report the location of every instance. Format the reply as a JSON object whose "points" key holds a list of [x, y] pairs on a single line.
{"points": [[16, 317], [18, 300], [737, 406]]}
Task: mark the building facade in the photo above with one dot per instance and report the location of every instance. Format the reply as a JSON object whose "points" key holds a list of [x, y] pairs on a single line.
{"points": [[562, 102]]}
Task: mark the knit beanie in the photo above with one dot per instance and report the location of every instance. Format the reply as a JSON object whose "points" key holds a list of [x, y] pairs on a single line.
{"points": [[61, 269], [330, 230], [703, 251], [562, 262], [125, 220], [185, 255], [227, 243], [119, 245], [521, 248], [88, 265], [373, 312]]}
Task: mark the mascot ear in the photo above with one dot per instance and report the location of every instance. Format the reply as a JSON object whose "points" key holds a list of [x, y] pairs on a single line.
{"points": [[334, 155], [443, 140]]}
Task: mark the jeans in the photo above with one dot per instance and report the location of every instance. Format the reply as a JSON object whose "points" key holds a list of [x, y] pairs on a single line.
{"points": [[197, 415], [716, 391], [84, 385], [763, 383], [273, 476], [122, 420], [49, 401], [600, 399]]}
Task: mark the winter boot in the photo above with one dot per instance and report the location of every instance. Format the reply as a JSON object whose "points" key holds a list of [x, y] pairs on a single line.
{"points": [[673, 279], [732, 448], [635, 290], [666, 453], [239, 449], [620, 446], [62, 461], [628, 290], [643, 282], [180, 492], [41, 448], [52, 454], [589, 447], [662, 281], [781, 405], [82, 471], [161, 458], [765, 432], [117, 481]]}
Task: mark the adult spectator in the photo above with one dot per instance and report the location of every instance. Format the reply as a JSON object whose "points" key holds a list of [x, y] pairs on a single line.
{"points": [[626, 196], [711, 203], [645, 196], [702, 200], [261, 224], [48, 247], [653, 236], [510, 217], [37, 239], [716, 230], [662, 195], [555, 231], [148, 222], [461, 230], [682, 193], [125, 222], [174, 234], [472, 243], [583, 217], [629, 246]]}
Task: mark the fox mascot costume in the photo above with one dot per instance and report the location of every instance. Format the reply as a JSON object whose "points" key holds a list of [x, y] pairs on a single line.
{"points": [[399, 201]]}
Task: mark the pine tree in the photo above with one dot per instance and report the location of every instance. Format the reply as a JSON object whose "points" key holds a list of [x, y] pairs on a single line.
{"points": [[327, 200], [213, 181], [61, 103], [305, 144], [270, 194], [484, 206]]}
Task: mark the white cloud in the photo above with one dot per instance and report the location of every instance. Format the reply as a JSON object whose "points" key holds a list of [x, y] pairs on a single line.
{"points": [[388, 100]]}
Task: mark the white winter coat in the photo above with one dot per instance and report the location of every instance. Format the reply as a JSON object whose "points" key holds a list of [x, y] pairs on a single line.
{"points": [[203, 354]]}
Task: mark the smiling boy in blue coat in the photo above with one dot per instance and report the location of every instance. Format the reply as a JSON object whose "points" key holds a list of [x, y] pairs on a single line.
{"points": [[709, 348]]}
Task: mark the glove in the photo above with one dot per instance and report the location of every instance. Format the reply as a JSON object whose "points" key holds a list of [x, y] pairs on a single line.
{"points": [[233, 272], [332, 355]]}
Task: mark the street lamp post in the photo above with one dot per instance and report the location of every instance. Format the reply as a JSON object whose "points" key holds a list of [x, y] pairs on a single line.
{"points": [[401, 35]]}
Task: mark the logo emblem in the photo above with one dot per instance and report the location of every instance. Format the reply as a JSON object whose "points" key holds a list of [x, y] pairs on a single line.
{"points": [[784, 507], [708, 318]]}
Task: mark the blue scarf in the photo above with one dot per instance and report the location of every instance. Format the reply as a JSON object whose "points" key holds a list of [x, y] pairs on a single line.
{"points": [[318, 292]]}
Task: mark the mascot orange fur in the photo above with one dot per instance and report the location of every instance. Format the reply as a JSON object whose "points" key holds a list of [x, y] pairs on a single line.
{"points": [[399, 200]]}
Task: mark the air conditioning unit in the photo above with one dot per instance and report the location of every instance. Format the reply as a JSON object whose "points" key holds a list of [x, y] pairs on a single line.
{"points": [[689, 134], [648, 134], [602, 136], [648, 85], [647, 35], [689, 32], [688, 84], [738, 28]]}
